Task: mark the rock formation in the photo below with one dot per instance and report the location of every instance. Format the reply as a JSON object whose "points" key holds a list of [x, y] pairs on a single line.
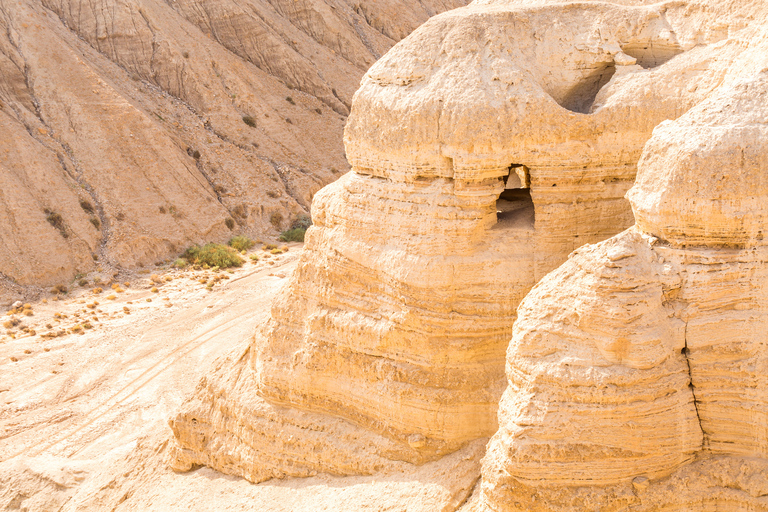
{"points": [[133, 129], [637, 370], [485, 147]]}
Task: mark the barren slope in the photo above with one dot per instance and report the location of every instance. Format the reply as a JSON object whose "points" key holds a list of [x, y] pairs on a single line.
{"points": [[134, 128]]}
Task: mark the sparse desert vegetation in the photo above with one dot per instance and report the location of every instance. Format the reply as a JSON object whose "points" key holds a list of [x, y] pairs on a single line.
{"points": [[298, 229], [57, 221], [214, 255], [241, 243], [209, 265], [59, 289]]}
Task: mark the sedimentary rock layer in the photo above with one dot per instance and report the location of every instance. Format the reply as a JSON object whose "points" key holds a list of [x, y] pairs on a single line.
{"points": [[637, 370], [133, 129], [485, 147]]}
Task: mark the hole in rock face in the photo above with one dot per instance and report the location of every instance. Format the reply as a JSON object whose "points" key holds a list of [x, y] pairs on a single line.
{"points": [[514, 207], [581, 97], [650, 55]]}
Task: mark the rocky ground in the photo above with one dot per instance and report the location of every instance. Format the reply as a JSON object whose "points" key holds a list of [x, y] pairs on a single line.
{"points": [[83, 415]]}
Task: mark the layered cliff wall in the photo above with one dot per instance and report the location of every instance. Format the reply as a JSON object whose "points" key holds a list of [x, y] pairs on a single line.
{"points": [[637, 369], [133, 129], [485, 147]]}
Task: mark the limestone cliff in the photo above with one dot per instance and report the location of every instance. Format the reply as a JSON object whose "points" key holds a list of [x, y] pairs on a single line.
{"points": [[637, 370], [133, 129], [485, 147]]}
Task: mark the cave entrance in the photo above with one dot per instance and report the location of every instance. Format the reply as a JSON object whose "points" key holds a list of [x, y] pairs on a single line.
{"points": [[582, 96], [514, 207]]}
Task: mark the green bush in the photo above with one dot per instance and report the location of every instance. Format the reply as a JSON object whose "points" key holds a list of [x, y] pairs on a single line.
{"points": [[213, 255], [241, 243], [298, 228], [293, 235], [302, 221], [181, 263]]}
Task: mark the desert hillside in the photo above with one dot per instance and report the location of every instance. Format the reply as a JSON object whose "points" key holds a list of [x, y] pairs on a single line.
{"points": [[135, 128]]}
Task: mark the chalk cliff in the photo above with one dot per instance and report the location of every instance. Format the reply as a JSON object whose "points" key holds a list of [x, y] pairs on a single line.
{"points": [[485, 148], [133, 129], [637, 370]]}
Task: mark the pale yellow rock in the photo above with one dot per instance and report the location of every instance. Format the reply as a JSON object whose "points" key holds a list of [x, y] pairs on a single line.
{"points": [[485, 147], [84, 417], [637, 371]]}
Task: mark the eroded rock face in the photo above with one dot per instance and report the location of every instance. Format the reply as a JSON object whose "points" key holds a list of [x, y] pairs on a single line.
{"points": [[637, 369], [485, 148], [125, 119]]}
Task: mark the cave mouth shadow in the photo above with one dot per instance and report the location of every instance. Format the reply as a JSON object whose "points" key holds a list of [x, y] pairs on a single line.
{"points": [[582, 96], [514, 206]]}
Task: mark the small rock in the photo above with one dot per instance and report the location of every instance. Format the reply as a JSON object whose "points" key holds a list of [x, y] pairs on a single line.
{"points": [[640, 483], [416, 441], [622, 59], [619, 253]]}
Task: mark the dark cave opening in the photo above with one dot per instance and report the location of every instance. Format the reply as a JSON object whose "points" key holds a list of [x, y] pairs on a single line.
{"points": [[582, 96], [514, 207]]}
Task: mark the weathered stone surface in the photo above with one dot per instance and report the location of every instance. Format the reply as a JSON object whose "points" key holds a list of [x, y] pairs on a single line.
{"points": [[485, 147], [637, 369], [136, 108]]}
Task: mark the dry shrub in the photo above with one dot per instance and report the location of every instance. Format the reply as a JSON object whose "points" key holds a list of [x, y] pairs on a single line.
{"points": [[214, 255], [180, 263], [240, 211], [86, 206], [10, 324], [276, 219], [241, 243], [57, 221]]}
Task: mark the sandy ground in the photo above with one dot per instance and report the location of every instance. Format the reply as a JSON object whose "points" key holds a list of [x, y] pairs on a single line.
{"points": [[83, 415]]}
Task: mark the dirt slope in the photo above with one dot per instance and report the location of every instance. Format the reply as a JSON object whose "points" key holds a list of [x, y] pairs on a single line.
{"points": [[135, 128]]}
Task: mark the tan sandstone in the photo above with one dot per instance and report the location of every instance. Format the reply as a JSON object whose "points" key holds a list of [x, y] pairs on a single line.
{"points": [[637, 371], [485, 147]]}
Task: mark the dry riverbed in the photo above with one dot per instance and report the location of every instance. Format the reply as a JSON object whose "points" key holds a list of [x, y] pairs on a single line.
{"points": [[84, 410]]}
